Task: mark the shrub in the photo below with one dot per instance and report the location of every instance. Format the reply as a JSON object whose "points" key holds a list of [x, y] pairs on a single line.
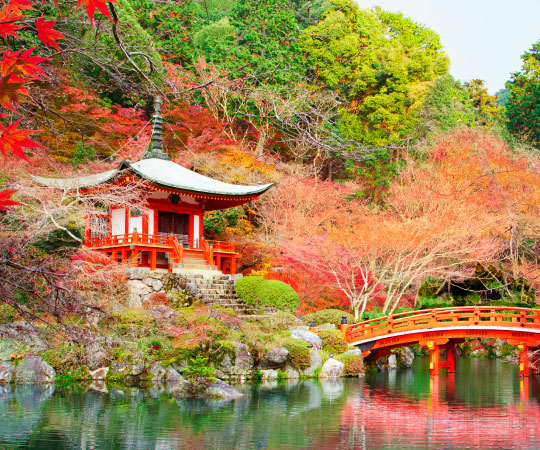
{"points": [[328, 316], [299, 354], [271, 293], [199, 376], [354, 365], [247, 288], [333, 341]]}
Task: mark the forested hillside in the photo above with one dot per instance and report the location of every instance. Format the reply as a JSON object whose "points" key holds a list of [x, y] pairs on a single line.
{"points": [[395, 183]]}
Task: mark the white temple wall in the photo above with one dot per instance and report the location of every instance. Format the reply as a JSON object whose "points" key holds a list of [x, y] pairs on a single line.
{"points": [[118, 221], [196, 233], [135, 222], [150, 213]]}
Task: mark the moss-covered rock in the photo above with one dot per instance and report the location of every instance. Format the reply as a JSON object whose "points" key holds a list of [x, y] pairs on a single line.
{"points": [[354, 364], [299, 353], [333, 341]]}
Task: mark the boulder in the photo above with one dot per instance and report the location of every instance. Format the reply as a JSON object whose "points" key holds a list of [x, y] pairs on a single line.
{"points": [[34, 370], [22, 336], [315, 358], [222, 390], [192, 288], [6, 371], [137, 273], [269, 375], [275, 358], [392, 361], [95, 355], [332, 368], [98, 374], [355, 351], [134, 301], [309, 337], [161, 312], [173, 376], [138, 287], [131, 370], [404, 356], [237, 361], [291, 373], [153, 283], [156, 372]]}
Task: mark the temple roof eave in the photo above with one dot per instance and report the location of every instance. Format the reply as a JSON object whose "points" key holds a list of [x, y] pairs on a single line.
{"points": [[161, 173]]}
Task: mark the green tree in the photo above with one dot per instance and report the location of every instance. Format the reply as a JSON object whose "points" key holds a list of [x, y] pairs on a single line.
{"points": [[489, 112], [383, 65], [523, 105]]}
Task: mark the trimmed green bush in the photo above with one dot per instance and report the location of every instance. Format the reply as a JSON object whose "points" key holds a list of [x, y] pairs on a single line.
{"points": [[299, 354], [328, 316], [247, 289], [271, 293], [333, 341], [354, 365]]}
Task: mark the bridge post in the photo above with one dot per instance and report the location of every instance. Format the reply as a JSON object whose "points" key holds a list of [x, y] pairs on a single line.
{"points": [[434, 358], [523, 360], [450, 357], [343, 326]]}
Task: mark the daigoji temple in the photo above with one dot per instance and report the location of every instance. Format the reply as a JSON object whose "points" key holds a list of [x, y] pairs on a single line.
{"points": [[168, 232]]}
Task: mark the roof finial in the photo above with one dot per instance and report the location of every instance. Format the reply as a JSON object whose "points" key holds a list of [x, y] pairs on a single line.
{"points": [[155, 149]]}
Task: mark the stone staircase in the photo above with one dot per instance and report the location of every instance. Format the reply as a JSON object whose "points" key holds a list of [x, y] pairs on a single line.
{"points": [[219, 290]]}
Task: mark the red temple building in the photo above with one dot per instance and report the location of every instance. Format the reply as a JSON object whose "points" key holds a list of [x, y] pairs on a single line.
{"points": [[168, 233]]}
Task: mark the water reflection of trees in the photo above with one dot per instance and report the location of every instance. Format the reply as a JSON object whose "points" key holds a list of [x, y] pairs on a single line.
{"points": [[132, 418], [389, 410]]}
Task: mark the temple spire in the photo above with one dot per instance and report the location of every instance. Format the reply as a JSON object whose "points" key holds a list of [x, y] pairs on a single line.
{"points": [[155, 149]]}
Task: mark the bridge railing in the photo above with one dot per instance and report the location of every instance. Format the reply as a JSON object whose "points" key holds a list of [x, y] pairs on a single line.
{"points": [[444, 317]]}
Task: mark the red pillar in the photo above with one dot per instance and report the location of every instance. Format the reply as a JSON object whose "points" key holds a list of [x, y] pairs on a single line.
{"points": [[523, 360], [434, 359], [233, 265], [134, 258], [451, 358], [153, 256]]}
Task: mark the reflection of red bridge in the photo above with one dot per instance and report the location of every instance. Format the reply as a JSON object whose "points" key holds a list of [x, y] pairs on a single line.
{"points": [[444, 328], [380, 418]]}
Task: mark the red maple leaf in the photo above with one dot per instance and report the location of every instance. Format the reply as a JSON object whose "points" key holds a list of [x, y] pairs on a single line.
{"points": [[18, 5], [9, 16], [10, 92], [91, 6], [46, 34], [5, 201], [21, 64], [13, 140]]}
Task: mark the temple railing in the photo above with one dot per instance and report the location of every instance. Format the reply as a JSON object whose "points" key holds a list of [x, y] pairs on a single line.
{"points": [[160, 239]]}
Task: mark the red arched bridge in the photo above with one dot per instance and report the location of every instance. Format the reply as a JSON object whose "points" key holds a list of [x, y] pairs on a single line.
{"points": [[444, 328]]}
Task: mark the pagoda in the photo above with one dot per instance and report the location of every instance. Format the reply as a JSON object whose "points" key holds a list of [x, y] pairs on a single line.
{"points": [[168, 232]]}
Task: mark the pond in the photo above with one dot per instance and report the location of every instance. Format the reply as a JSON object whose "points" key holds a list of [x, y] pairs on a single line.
{"points": [[483, 406]]}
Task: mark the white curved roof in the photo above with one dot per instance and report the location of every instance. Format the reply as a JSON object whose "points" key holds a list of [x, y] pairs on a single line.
{"points": [[162, 172]]}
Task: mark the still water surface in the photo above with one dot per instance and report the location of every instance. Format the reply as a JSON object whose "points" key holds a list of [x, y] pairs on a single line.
{"points": [[483, 406]]}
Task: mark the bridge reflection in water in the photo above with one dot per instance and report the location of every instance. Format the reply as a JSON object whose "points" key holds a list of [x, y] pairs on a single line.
{"points": [[442, 329]]}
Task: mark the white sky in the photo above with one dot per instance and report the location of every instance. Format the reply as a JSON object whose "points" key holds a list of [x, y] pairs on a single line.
{"points": [[484, 38]]}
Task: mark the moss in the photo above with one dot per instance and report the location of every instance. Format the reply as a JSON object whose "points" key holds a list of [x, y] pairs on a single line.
{"points": [[354, 365], [281, 375], [333, 341], [133, 318], [299, 354], [327, 316], [8, 314]]}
